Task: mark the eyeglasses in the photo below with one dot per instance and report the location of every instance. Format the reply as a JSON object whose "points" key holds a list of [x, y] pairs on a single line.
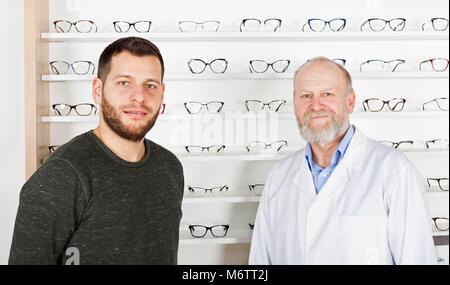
{"points": [[80, 67], [377, 24], [213, 107], [83, 26], [442, 104], [83, 109], [256, 188], [199, 231], [260, 146], [401, 145], [434, 64], [256, 105], [191, 26], [441, 223], [206, 190], [438, 24], [195, 149], [340, 61], [318, 25], [261, 66], [253, 25], [376, 105], [52, 148], [252, 226], [376, 65], [218, 65], [139, 26], [441, 182], [437, 144]]}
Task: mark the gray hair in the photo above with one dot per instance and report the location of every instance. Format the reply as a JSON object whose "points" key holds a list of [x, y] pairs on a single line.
{"points": [[347, 76]]}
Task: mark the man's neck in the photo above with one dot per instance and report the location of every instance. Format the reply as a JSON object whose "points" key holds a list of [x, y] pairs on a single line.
{"points": [[127, 150], [322, 153]]}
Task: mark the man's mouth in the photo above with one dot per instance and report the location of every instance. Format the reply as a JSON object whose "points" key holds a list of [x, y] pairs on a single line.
{"points": [[136, 113]]}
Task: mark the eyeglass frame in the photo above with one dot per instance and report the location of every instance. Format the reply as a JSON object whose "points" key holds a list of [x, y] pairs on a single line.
{"points": [[70, 65], [261, 22], [220, 188], [267, 145], [199, 23], [437, 103], [207, 64], [432, 24], [132, 24], [283, 102], [308, 22], [386, 22], [252, 69], [221, 147], [431, 60], [401, 61], [75, 25], [435, 224], [438, 180], [93, 107], [397, 144], [226, 228], [427, 143], [52, 148], [365, 102], [206, 105]]}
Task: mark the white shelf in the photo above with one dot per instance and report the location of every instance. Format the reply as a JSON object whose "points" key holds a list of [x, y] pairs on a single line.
{"points": [[247, 36], [442, 233], [252, 115], [225, 198], [438, 195], [232, 237], [261, 76]]}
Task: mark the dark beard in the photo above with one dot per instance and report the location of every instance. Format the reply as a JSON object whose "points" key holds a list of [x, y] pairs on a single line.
{"points": [[112, 119]]}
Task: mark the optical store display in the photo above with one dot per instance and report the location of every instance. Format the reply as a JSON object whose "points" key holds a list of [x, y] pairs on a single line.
{"points": [[441, 103], [319, 25], [80, 67], [199, 231], [206, 26], [82, 26], [441, 223], [84, 109], [378, 25], [272, 61], [441, 182], [139, 26]]}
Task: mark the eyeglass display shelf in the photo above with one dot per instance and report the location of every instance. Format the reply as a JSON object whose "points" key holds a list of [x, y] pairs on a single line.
{"points": [[250, 36], [234, 236], [253, 198], [244, 115], [260, 76]]}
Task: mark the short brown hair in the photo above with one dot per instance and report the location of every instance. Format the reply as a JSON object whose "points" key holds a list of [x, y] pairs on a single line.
{"points": [[134, 45]]}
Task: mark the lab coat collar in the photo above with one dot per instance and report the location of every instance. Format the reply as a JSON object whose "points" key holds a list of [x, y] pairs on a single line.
{"points": [[352, 160]]}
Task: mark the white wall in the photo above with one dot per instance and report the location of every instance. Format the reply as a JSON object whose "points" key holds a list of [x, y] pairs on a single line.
{"points": [[12, 130]]}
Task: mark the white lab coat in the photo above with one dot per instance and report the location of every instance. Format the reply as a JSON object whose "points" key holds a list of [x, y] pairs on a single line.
{"points": [[371, 210]]}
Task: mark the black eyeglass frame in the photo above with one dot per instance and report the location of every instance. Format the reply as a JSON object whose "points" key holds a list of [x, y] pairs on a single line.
{"points": [[207, 148], [132, 25], [438, 180], [244, 21], [74, 107], [225, 227], [308, 23], [220, 188], [55, 24], [252, 68], [432, 20], [263, 105]]}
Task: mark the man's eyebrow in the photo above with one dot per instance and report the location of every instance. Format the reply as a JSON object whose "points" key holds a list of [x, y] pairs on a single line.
{"points": [[129, 76]]}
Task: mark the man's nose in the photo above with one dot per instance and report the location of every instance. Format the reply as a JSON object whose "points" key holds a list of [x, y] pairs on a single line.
{"points": [[138, 94], [316, 103]]}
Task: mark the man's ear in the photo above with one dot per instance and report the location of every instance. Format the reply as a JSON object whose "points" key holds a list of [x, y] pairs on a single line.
{"points": [[163, 88], [351, 97], [97, 90]]}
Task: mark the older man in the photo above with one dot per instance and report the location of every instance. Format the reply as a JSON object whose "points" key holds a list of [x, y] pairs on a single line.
{"points": [[344, 198]]}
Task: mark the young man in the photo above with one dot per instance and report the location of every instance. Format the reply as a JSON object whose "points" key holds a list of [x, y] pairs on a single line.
{"points": [[344, 198], [109, 196]]}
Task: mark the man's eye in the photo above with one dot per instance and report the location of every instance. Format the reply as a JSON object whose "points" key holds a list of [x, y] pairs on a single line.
{"points": [[306, 96], [151, 86], [326, 94], [123, 83]]}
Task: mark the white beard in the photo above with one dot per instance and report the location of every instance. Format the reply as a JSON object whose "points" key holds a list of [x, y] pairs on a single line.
{"points": [[328, 134]]}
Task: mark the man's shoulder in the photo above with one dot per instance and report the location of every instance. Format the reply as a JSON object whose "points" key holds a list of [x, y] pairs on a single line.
{"points": [[163, 153], [75, 149]]}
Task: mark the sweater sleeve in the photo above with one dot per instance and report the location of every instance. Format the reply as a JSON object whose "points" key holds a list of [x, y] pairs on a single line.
{"points": [[51, 204]]}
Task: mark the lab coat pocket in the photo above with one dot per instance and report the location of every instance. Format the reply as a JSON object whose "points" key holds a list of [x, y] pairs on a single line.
{"points": [[361, 240]]}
